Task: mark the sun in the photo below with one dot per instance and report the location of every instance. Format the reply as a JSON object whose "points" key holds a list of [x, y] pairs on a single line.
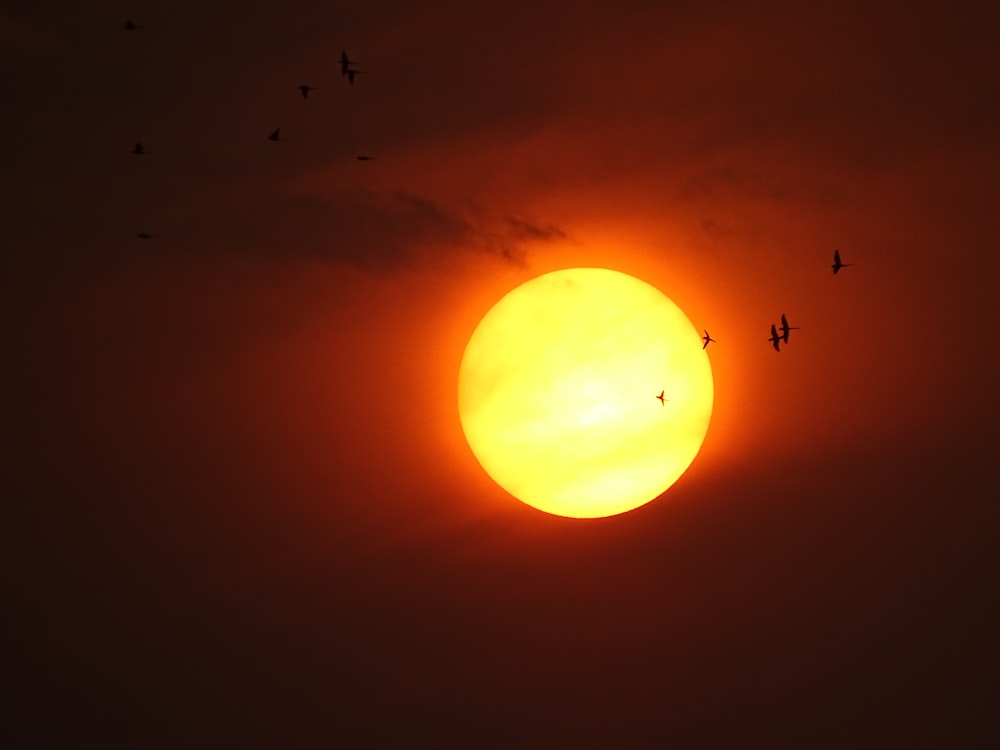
{"points": [[558, 392]]}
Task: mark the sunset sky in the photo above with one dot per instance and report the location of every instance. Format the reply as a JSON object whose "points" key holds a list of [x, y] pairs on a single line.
{"points": [[239, 507]]}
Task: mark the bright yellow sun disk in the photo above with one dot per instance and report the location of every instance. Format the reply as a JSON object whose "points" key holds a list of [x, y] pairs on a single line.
{"points": [[557, 392]]}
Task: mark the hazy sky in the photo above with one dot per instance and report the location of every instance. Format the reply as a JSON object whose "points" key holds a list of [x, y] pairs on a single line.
{"points": [[239, 505]]}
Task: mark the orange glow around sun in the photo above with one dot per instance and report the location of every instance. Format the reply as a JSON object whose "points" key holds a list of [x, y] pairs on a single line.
{"points": [[557, 392]]}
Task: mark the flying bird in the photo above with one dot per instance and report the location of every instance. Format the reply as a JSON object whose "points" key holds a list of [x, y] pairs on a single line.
{"points": [[144, 236], [138, 149], [775, 338], [364, 157], [706, 338], [129, 26], [663, 401], [305, 88], [785, 328], [837, 265], [276, 135], [346, 63], [351, 72]]}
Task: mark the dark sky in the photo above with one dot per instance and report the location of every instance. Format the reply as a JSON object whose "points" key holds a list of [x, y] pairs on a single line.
{"points": [[239, 508]]}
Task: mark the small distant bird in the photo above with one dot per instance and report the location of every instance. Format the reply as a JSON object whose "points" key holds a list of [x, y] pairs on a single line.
{"points": [[785, 328], [346, 63], [837, 265], [351, 72], [144, 236], [364, 157], [276, 135], [129, 26], [305, 88], [663, 401], [775, 338], [706, 338], [138, 149]]}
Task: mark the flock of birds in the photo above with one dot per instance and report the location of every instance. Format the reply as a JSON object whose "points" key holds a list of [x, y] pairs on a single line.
{"points": [[780, 335], [347, 70]]}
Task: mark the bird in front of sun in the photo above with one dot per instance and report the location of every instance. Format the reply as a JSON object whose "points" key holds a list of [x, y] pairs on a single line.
{"points": [[785, 328], [364, 157], [275, 135], [775, 338], [138, 149], [130, 26], [608, 337], [304, 89], [707, 339], [837, 263], [351, 72]]}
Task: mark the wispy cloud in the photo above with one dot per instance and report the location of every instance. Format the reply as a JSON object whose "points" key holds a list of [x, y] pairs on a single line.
{"points": [[378, 231]]}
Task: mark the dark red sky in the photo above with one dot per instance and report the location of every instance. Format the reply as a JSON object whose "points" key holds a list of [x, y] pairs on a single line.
{"points": [[239, 506]]}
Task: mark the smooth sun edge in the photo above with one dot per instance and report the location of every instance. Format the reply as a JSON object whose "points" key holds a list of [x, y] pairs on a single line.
{"points": [[696, 435]]}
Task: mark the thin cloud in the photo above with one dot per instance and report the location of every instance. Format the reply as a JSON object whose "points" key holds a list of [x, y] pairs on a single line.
{"points": [[522, 230], [378, 231]]}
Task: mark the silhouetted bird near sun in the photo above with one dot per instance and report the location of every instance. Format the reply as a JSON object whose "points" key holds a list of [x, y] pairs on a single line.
{"points": [[129, 26], [305, 88], [663, 401], [138, 149], [144, 236], [707, 339], [837, 264], [351, 72], [785, 328], [364, 157], [346, 63], [775, 338], [276, 135]]}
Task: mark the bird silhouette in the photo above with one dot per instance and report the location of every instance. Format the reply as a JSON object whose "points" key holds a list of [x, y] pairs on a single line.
{"points": [[837, 264], [663, 401], [346, 63], [775, 338], [706, 338], [144, 236], [785, 328], [305, 88], [276, 135], [138, 149], [129, 26], [351, 72], [364, 157]]}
